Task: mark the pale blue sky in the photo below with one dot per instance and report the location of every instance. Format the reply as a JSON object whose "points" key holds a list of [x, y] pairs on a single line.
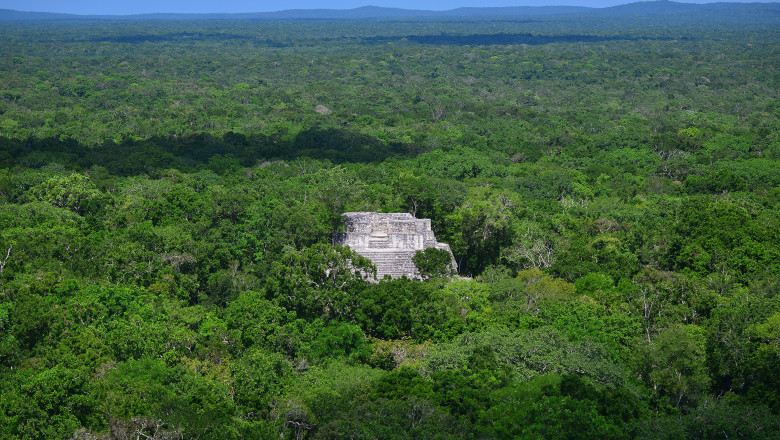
{"points": [[190, 6]]}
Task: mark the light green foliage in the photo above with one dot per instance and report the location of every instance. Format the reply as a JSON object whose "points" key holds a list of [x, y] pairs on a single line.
{"points": [[582, 319], [74, 192], [538, 286], [253, 320], [321, 393], [259, 376], [472, 296], [674, 365], [768, 332], [599, 287], [397, 353], [529, 353], [662, 299], [534, 246]]}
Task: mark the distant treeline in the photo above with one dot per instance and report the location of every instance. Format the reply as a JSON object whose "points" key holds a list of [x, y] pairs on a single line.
{"points": [[500, 39], [505, 39]]}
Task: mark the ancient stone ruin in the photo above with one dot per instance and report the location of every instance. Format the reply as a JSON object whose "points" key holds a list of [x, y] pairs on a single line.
{"points": [[389, 241]]}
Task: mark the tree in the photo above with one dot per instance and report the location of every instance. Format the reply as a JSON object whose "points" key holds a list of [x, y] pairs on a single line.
{"points": [[433, 263], [674, 365], [48, 404], [532, 248], [75, 192], [555, 407], [320, 281], [481, 227]]}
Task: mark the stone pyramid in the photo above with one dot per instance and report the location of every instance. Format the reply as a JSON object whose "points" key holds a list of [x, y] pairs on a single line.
{"points": [[389, 240]]}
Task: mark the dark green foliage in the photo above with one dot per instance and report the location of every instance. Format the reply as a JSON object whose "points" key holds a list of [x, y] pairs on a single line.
{"points": [[180, 399], [319, 282], [407, 309], [556, 407], [339, 340], [714, 420], [394, 419], [433, 263], [402, 384], [48, 404]]}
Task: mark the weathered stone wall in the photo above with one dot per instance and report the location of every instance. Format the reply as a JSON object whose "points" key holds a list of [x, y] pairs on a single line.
{"points": [[389, 240]]}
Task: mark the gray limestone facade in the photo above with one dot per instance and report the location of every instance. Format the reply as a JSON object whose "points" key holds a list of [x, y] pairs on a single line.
{"points": [[389, 240]]}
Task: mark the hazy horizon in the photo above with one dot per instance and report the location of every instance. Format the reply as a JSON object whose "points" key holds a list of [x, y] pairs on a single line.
{"points": [[93, 7]]}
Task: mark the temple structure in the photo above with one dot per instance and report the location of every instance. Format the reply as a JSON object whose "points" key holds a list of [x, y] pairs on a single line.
{"points": [[389, 240]]}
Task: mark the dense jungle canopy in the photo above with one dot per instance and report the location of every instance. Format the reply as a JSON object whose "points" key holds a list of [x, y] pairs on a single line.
{"points": [[609, 184]]}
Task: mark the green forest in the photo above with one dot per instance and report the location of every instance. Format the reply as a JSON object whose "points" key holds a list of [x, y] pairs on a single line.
{"points": [[609, 186]]}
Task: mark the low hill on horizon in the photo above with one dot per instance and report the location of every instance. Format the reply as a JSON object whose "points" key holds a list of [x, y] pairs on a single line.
{"points": [[376, 12]]}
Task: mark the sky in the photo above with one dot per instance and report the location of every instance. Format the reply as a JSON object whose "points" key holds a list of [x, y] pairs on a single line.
{"points": [[230, 6]]}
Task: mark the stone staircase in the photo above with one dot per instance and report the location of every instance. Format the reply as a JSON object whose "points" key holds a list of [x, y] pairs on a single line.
{"points": [[376, 241], [391, 262]]}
